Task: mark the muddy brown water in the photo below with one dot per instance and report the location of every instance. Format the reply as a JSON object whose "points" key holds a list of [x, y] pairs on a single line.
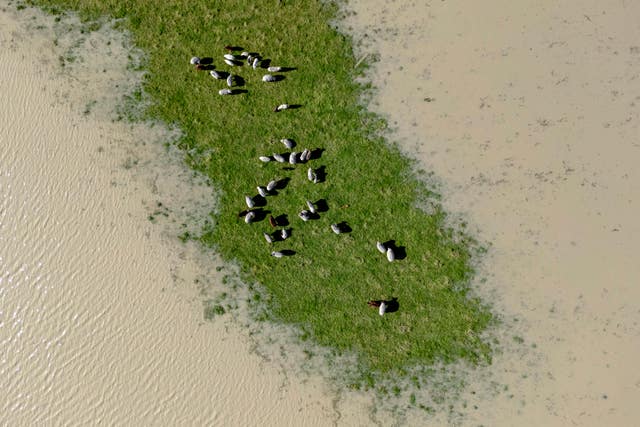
{"points": [[528, 114], [101, 309]]}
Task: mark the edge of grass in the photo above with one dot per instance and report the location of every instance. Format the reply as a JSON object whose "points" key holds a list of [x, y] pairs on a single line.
{"points": [[323, 289]]}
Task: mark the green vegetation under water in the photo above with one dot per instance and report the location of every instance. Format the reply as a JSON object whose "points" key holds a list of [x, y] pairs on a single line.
{"points": [[324, 288]]}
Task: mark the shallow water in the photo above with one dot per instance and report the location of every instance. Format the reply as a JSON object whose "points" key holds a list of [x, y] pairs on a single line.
{"points": [[528, 118], [528, 115], [101, 309]]}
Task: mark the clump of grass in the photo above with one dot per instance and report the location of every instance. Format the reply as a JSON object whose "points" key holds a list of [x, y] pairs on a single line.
{"points": [[211, 310], [324, 288]]}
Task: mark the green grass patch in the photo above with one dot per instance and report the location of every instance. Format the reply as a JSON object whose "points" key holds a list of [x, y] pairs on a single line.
{"points": [[323, 289]]}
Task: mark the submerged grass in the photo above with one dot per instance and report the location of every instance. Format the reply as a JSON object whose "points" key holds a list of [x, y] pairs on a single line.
{"points": [[324, 288]]}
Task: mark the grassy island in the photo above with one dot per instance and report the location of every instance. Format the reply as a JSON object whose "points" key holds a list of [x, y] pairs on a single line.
{"points": [[325, 282]]}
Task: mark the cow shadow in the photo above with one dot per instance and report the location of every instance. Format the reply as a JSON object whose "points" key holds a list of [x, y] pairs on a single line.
{"points": [[223, 74], [260, 214], [344, 227], [282, 183], [321, 173], [322, 205], [392, 305], [282, 220], [259, 201], [238, 80], [265, 63], [316, 153]]}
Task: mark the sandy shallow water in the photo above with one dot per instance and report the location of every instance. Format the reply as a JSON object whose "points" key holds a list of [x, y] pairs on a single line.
{"points": [[101, 316], [528, 114]]}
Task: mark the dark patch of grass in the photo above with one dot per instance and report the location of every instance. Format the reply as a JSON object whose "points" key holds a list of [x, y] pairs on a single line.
{"points": [[211, 310], [324, 288], [88, 107]]}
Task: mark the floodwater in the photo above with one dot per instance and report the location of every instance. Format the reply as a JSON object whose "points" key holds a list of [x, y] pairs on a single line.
{"points": [[528, 115], [101, 306]]}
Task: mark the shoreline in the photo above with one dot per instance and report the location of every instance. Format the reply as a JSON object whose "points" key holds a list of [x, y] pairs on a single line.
{"points": [[340, 406], [365, 184], [528, 116], [573, 338], [106, 315]]}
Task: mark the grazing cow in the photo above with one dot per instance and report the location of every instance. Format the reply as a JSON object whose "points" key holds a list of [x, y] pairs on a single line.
{"points": [[380, 304], [282, 107], [391, 255], [312, 208], [250, 217]]}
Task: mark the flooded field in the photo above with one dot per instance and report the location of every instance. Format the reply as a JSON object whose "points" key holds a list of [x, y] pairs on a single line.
{"points": [[527, 113], [101, 306]]}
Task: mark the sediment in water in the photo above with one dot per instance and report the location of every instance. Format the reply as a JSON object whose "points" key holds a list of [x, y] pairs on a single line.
{"points": [[102, 306], [528, 116]]}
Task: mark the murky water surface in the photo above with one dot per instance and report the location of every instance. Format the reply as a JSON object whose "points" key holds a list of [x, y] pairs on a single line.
{"points": [[528, 113], [101, 307]]}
